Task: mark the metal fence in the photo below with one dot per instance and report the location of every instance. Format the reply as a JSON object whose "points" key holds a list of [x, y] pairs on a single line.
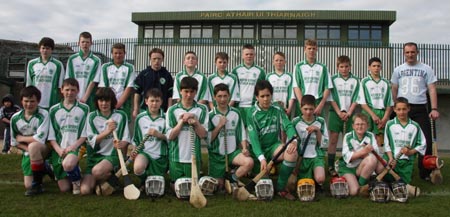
{"points": [[435, 55]]}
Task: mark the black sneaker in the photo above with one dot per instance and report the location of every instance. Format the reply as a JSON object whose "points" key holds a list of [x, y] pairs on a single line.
{"points": [[332, 172], [49, 170], [34, 190]]}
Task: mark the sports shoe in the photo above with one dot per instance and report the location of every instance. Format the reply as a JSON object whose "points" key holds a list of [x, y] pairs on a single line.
{"points": [[76, 188], [49, 170], [332, 172], [286, 195], [34, 190]]}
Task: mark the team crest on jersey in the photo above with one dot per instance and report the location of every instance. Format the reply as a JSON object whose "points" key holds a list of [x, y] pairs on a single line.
{"points": [[410, 135], [351, 86], [254, 75], [50, 71], [77, 119], [285, 82], [159, 128], [88, 67], [382, 89], [233, 123], [317, 73], [162, 81]]}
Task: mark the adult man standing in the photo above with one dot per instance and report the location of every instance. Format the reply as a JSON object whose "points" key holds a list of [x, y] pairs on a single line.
{"points": [[411, 80], [154, 76]]}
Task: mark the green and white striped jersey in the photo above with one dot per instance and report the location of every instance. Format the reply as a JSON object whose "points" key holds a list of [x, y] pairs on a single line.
{"points": [[180, 147], [118, 78], [312, 79], [282, 87], [376, 94], [313, 147], [84, 70], [264, 127], [202, 92], [345, 91], [36, 126], [96, 123], [154, 146], [67, 125], [247, 78], [230, 80], [351, 144], [397, 136], [47, 77], [234, 133]]}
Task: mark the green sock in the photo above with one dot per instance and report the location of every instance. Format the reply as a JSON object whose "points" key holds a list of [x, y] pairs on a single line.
{"points": [[362, 181], [286, 169], [331, 158]]}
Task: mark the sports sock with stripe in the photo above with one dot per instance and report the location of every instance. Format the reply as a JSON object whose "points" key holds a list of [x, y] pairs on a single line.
{"points": [[286, 169]]}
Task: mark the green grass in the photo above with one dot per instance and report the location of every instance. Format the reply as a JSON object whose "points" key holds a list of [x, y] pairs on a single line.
{"points": [[434, 201]]}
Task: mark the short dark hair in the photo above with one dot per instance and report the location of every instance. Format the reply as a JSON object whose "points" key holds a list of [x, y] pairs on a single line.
{"points": [[261, 85], [118, 46], [280, 54], [342, 59], [47, 42], [248, 46], [85, 35], [107, 94], [155, 92], [401, 100], [189, 83], [70, 81], [156, 50], [308, 100], [190, 52], [410, 44], [361, 116], [374, 59], [30, 91], [221, 87], [221, 55]]}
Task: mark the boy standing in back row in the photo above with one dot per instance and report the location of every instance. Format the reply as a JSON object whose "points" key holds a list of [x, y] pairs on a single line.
{"points": [[85, 67], [312, 77], [248, 73], [46, 73]]}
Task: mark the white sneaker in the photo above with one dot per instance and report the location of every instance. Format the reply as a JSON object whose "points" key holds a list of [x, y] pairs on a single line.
{"points": [[76, 187]]}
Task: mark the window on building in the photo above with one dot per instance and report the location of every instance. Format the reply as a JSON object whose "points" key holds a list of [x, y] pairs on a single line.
{"points": [[364, 34], [195, 31], [237, 31], [158, 31], [279, 31], [323, 33]]}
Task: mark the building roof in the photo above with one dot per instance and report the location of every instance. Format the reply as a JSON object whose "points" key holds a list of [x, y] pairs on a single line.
{"points": [[387, 17]]}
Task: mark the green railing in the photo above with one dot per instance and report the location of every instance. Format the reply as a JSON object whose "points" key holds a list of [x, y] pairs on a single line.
{"points": [[435, 55]]}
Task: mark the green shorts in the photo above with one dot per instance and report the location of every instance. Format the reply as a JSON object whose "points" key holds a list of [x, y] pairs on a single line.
{"points": [[156, 167], [335, 124], [244, 112], [404, 169], [94, 159], [56, 161], [343, 169], [308, 165], [216, 163], [268, 154], [372, 125], [181, 170]]}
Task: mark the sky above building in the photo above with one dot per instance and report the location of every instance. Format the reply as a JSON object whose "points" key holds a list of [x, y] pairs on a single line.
{"points": [[25, 20]]}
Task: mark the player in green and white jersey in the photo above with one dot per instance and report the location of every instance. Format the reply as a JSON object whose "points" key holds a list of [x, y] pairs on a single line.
{"points": [[46, 73], [66, 134], [85, 67], [357, 162], [313, 162], [375, 98], [119, 76], [248, 73], [152, 159], [265, 120], [281, 82], [221, 76], [400, 133], [343, 103], [102, 154], [225, 123], [29, 129], [312, 77], [190, 70], [180, 117]]}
